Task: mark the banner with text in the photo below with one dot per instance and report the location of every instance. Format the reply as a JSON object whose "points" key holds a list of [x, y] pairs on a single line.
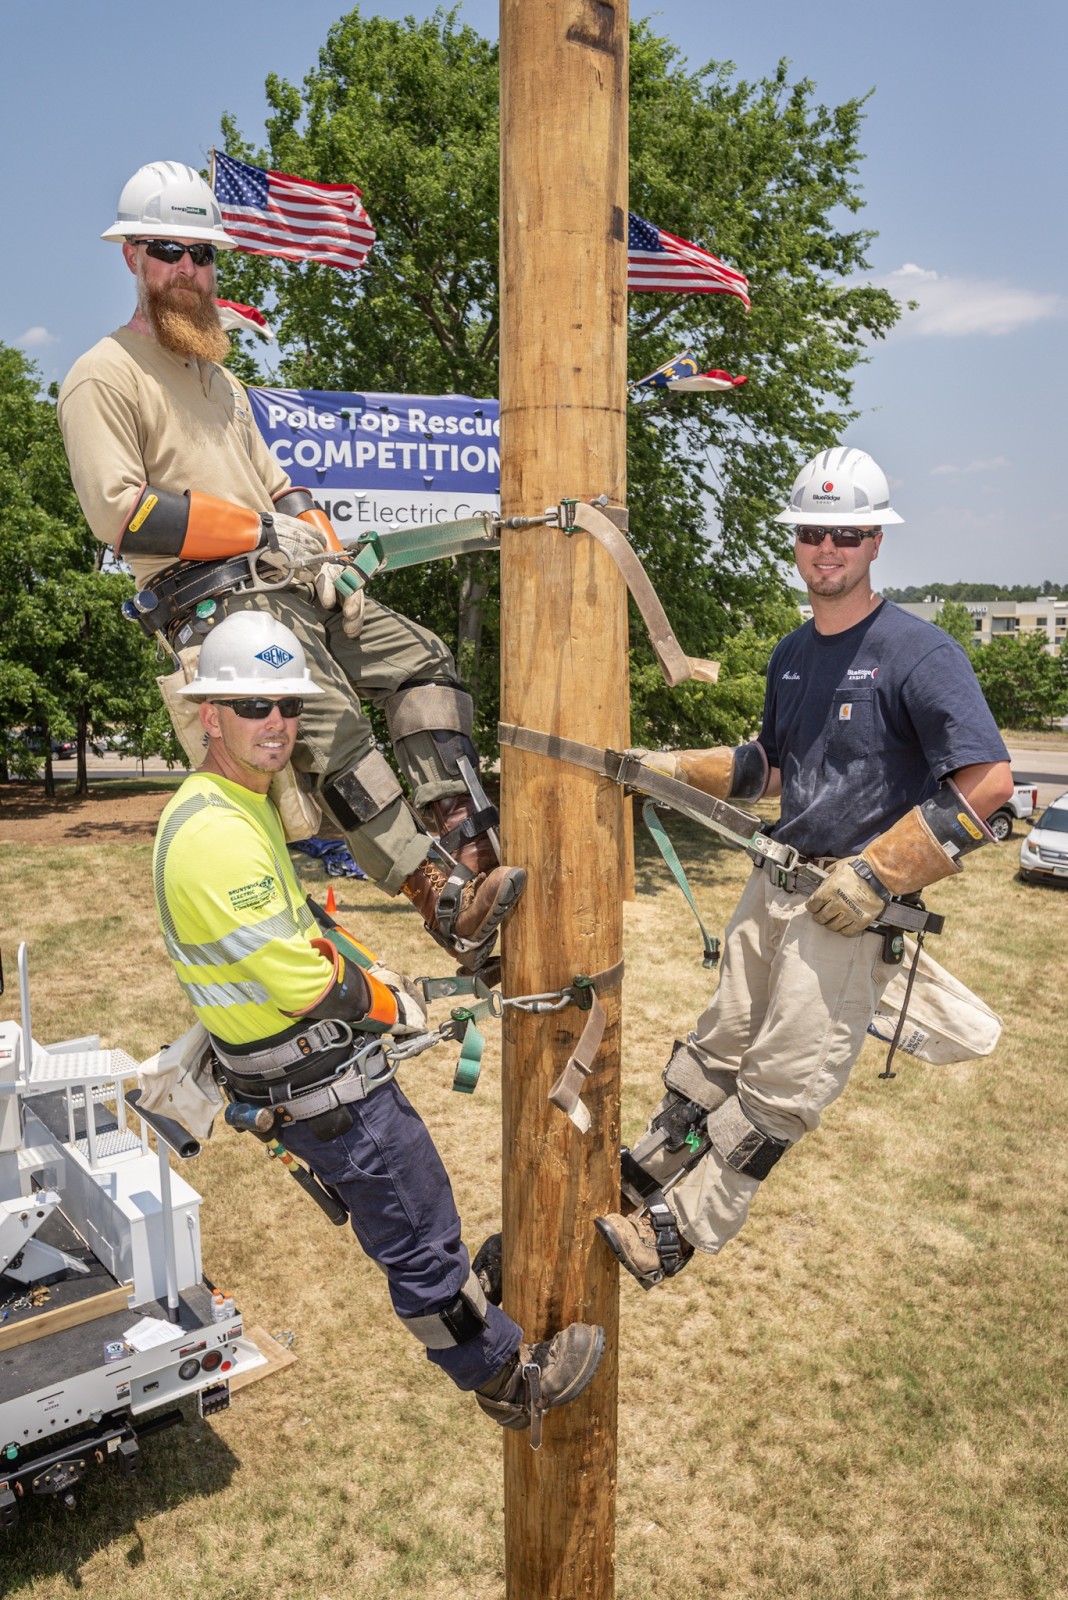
{"points": [[385, 460]]}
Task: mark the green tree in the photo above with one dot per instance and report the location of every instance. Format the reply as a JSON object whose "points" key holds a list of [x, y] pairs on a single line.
{"points": [[1025, 687], [758, 171], [956, 620], [70, 665]]}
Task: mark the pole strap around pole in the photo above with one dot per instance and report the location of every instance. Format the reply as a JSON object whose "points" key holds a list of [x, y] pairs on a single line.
{"points": [[566, 1092], [675, 664]]}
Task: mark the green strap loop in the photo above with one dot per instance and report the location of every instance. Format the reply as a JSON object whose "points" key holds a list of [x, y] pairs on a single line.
{"points": [[361, 564], [468, 1067], [667, 850]]}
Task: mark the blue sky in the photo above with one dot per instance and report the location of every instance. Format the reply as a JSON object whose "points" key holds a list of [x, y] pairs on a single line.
{"points": [[965, 407]]}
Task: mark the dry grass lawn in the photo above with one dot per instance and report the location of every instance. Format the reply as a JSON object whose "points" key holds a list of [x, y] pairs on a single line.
{"points": [[861, 1399]]}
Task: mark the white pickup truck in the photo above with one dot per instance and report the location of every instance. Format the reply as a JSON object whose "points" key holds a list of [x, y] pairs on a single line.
{"points": [[1021, 805]]}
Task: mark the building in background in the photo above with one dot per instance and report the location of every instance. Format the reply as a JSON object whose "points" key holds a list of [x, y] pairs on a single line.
{"points": [[1048, 615]]}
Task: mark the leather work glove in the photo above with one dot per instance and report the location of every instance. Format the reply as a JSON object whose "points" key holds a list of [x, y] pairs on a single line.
{"points": [[411, 1013], [918, 850], [330, 591], [846, 901], [724, 772], [292, 545]]}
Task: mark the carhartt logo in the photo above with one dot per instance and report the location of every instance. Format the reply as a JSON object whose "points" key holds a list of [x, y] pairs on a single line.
{"points": [[275, 656], [845, 712]]}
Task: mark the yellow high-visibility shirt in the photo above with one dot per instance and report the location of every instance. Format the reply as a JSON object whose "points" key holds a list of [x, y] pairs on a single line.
{"points": [[235, 921]]}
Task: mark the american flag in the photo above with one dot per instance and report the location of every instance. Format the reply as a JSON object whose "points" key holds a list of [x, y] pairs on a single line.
{"points": [[659, 263], [273, 214]]}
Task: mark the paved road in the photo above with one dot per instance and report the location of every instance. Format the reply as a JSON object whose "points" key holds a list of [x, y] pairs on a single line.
{"points": [[1046, 768]]}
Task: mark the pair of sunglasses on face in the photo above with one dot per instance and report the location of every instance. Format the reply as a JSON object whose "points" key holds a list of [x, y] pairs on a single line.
{"points": [[291, 705], [170, 251], [841, 538]]}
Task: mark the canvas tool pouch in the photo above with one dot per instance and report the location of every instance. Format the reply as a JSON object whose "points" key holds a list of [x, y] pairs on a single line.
{"points": [[300, 813], [945, 1021], [179, 1082]]}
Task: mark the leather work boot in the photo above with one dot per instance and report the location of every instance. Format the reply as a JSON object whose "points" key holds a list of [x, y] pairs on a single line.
{"points": [[649, 1245], [488, 1268], [541, 1376], [463, 913], [474, 850]]}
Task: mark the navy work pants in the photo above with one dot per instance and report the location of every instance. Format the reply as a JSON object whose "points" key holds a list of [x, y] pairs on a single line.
{"points": [[388, 1172]]}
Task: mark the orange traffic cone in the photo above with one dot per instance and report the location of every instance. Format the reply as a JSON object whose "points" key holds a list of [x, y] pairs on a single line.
{"points": [[331, 902]]}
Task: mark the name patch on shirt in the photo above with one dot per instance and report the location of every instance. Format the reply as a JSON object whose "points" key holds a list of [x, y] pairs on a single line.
{"points": [[251, 896]]}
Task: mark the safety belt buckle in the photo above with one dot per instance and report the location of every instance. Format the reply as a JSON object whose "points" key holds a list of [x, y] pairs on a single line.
{"points": [[628, 768], [582, 992]]}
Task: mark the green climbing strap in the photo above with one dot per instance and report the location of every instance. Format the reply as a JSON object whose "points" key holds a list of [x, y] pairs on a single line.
{"points": [[667, 850]]}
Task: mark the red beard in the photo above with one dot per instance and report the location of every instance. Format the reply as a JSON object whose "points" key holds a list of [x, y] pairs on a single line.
{"points": [[183, 317]]}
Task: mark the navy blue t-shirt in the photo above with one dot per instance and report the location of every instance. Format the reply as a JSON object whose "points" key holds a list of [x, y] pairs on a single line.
{"points": [[864, 725]]}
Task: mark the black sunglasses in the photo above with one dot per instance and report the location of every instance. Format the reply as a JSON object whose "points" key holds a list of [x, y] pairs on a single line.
{"points": [[849, 538], [170, 251], [291, 705]]}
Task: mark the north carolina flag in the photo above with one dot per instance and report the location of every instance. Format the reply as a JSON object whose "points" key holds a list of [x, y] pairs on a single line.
{"points": [[706, 382], [680, 366], [237, 318]]}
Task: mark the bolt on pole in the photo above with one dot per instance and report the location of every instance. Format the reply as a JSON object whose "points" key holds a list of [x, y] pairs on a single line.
{"points": [[564, 87]]}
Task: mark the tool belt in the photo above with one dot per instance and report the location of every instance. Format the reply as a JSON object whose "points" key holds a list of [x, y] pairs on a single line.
{"points": [[178, 589], [326, 1066]]}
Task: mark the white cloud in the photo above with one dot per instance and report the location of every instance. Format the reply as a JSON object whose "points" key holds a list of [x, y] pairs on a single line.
{"points": [[989, 464], [36, 339], [953, 307]]}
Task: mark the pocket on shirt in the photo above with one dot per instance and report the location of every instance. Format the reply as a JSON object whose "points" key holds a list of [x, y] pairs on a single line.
{"points": [[851, 725]]}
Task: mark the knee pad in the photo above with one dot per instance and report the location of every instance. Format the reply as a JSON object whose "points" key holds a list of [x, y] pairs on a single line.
{"points": [[740, 1142], [443, 710], [357, 796], [462, 1320]]}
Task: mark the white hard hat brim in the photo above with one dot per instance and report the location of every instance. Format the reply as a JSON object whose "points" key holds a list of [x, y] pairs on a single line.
{"points": [[248, 689], [119, 232], [839, 519]]}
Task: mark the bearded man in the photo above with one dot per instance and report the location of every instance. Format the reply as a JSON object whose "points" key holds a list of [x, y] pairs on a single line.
{"points": [[172, 472]]}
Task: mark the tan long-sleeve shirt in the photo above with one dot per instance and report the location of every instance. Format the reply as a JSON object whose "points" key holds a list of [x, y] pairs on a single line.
{"points": [[133, 413]]}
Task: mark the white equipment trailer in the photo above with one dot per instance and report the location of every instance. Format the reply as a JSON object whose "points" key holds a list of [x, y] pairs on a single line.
{"points": [[105, 1314]]}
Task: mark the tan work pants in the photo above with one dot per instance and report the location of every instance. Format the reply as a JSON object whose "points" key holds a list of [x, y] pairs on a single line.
{"points": [[788, 1018]]}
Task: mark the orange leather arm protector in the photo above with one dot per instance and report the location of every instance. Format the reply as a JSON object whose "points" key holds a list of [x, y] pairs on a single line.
{"points": [[189, 527], [351, 994], [299, 503]]}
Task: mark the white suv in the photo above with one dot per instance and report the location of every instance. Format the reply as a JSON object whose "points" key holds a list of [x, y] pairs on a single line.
{"points": [[1044, 853]]}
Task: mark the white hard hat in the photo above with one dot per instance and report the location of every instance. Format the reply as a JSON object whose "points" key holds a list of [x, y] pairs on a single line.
{"points": [[168, 200], [251, 653], [839, 488]]}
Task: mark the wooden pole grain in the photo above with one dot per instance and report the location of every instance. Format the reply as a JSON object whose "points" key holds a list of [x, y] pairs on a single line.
{"points": [[564, 77]]}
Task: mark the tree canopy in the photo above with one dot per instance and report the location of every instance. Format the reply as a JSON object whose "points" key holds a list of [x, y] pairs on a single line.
{"points": [[760, 173], [70, 665]]}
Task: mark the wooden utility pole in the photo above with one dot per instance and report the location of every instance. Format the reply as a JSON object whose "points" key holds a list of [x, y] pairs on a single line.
{"points": [[564, 82]]}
